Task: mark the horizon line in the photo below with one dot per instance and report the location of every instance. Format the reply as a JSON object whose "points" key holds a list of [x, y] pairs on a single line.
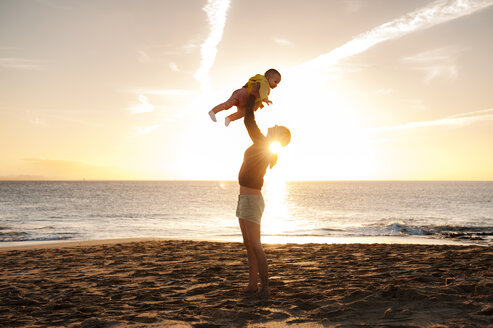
{"points": [[4, 179]]}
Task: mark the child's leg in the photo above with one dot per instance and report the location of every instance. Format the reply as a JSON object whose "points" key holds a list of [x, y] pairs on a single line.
{"points": [[223, 106], [236, 116], [232, 101], [239, 113]]}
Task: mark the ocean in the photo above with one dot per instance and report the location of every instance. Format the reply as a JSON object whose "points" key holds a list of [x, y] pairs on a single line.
{"points": [[301, 212]]}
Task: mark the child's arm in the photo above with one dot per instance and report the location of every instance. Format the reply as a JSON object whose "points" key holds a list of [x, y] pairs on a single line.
{"points": [[267, 101]]}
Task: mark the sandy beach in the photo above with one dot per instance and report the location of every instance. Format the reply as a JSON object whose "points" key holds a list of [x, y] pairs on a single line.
{"points": [[165, 283]]}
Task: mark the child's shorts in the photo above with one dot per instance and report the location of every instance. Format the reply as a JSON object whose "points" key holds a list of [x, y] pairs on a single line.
{"points": [[239, 97], [250, 208]]}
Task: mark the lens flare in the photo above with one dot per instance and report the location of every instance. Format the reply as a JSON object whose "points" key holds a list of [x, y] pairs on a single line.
{"points": [[275, 147]]}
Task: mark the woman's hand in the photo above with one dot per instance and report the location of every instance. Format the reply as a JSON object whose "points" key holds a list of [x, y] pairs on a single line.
{"points": [[255, 90]]}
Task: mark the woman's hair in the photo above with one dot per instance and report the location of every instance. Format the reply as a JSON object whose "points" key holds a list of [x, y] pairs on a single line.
{"points": [[282, 135]]}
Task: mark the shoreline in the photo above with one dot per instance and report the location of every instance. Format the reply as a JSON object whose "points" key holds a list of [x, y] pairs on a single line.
{"points": [[266, 240], [179, 283]]}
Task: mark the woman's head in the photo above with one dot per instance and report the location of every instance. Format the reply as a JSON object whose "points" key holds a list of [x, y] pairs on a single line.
{"points": [[280, 134]]}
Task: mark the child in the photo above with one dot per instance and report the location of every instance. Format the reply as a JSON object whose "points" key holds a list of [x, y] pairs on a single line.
{"points": [[268, 81]]}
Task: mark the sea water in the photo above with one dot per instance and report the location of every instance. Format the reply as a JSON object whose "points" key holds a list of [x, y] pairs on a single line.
{"points": [[295, 211]]}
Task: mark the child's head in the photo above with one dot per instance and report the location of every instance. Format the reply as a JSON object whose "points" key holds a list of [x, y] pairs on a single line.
{"points": [[273, 77], [280, 134]]}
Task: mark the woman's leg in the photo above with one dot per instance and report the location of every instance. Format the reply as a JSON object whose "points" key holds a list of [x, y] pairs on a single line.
{"points": [[253, 234], [252, 261]]}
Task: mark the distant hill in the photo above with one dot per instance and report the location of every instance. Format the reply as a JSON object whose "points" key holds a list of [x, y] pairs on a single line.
{"points": [[27, 178]]}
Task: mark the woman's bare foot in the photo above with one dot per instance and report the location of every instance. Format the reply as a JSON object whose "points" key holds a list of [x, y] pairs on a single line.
{"points": [[250, 289], [264, 293]]}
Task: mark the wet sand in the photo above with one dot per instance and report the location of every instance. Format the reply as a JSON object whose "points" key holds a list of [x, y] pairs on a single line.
{"points": [[165, 283]]}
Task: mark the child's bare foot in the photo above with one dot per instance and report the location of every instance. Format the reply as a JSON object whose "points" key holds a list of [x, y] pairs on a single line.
{"points": [[212, 115], [227, 121]]}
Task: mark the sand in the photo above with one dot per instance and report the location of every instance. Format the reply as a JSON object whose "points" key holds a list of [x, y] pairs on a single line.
{"points": [[165, 283]]}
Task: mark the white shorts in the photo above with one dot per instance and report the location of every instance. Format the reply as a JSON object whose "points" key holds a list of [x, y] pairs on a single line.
{"points": [[250, 208]]}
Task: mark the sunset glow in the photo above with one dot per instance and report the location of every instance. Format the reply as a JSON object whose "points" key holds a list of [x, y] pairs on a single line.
{"points": [[114, 90], [275, 147]]}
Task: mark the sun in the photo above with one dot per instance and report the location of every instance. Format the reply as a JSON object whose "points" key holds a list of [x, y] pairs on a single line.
{"points": [[275, 147]]}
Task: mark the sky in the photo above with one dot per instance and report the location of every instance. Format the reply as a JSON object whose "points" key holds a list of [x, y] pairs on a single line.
{"points": [[371, 90]]}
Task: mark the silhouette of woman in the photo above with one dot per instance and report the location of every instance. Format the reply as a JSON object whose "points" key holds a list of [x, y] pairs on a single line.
{"points": [[250, 201]]}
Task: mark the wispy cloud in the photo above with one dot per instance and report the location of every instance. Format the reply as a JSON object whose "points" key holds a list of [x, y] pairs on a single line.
{"points": [[383, 92], [20, 63], [144, 107], [76, 120], [477, 114], [282, 42], [454, 120], [56, 4], [173, 67], [438, 12], [140, 131], [47, 120], [353, 5], [147, 130], [216, 13], [143, 57], [416, 104], [38, 121], [166, 92], [436, 63]]}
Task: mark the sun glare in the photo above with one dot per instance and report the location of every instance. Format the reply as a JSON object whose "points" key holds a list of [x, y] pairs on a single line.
{"points": [[275, 147]]}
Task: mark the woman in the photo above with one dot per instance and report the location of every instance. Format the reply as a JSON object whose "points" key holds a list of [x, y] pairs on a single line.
{"points": [[250, 201]]}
